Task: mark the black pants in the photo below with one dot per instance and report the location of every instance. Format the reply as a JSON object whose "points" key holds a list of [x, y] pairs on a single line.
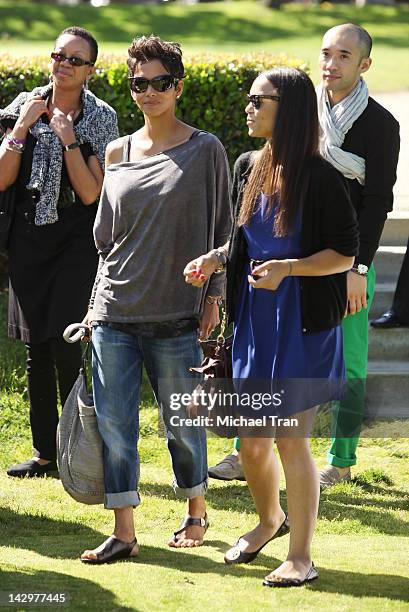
{"points": [[47, 363], [401, 298]]}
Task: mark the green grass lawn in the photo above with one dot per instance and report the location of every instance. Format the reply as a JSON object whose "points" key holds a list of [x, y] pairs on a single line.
{"points": [[28, 28], [360, 546]]}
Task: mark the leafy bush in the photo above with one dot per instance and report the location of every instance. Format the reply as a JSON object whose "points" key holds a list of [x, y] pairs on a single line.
{"points": [[213, 99]]}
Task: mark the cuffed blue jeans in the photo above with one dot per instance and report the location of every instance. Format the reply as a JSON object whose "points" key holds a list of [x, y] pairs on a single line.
{"points": [[117, 360]]}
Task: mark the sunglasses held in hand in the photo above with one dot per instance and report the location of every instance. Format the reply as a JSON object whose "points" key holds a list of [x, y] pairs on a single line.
{"points": [[74, 61], [159, 83]]}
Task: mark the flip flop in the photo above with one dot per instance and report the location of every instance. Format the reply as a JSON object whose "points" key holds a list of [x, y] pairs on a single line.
{"points": [[234, 555], [278, 581], [112, 549], [190, 520]]}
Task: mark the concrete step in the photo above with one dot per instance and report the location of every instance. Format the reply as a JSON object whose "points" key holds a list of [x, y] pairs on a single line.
{"points": [[387, 389], [388, 262], [396, 229], [392, 344], [383, 299]]}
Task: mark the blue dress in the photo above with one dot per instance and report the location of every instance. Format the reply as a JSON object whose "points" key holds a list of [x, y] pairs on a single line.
{"points": [[269, 342]]}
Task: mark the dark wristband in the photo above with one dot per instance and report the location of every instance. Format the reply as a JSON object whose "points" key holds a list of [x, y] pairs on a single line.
{"points": [[71, 146]]}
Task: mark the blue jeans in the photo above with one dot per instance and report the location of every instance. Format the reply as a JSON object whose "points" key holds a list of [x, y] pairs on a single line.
{"points": [[117, 360]]}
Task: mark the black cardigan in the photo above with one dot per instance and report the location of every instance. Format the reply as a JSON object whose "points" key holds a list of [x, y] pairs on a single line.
{"points": [[328, 221], [375, 137]]}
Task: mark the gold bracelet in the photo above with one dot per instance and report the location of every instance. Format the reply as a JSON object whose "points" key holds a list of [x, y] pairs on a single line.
{"points": [[291, 268], [221, 260], [9, 147]]}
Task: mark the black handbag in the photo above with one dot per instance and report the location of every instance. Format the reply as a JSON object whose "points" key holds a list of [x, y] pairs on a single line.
{"points": [[7, 205]]}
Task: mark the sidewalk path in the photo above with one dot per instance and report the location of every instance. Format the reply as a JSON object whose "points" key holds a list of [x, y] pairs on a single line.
{"points": [[398, 104]]}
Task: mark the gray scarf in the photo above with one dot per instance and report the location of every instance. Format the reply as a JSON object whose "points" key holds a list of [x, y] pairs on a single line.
{"points": [[335, 123], [98, 126]]}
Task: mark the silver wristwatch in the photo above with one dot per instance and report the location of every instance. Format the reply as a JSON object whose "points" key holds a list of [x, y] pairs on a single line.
{"points": [[360, 269]]}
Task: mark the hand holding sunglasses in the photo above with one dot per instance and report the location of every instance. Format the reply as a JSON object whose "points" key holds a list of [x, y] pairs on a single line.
{"points": [[74, 61], [160, 83]]}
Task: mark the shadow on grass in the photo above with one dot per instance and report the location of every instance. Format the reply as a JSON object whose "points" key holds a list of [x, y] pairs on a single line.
{"points": [[355, 584], [372, 511], [67, 536], [215, 25], [231, 497], [79, 592], [388, 586], [377, 490], [369, 511]]}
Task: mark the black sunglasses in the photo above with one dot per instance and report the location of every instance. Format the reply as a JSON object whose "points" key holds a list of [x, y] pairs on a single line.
{"points": [[74, 61], [159, 83], [255, 99]]}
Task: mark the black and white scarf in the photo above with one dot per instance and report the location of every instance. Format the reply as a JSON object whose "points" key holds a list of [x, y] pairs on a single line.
{"points": [[97, 126]]}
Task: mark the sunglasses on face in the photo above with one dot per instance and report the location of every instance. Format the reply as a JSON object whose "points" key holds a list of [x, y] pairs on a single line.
{"points": [[256, 99], [74, 61], [159, 83]]}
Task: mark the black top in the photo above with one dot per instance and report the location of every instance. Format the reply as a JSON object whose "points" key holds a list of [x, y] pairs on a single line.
{"points": [[375, 137], [51, 267], [25, 199], [328, 222]]}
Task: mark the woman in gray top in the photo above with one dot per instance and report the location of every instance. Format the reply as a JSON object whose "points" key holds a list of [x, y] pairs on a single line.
{"points": [[165, 200]]}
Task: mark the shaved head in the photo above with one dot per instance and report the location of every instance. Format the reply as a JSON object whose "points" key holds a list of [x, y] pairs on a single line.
{"points": [[344, 57], [362, 36]]}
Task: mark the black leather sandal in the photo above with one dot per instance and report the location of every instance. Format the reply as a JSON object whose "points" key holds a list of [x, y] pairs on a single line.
{"points": [[112, 549], [190, 520], [32, 468], [234, 555], [279, 581]]}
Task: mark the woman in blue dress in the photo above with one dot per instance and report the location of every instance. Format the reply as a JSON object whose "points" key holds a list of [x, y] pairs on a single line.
{"points": [[294, 237]]}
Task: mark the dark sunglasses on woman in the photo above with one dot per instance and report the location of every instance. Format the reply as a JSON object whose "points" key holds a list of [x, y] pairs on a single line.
{"points": [[159, 83], [74, 61], [256, 99]]}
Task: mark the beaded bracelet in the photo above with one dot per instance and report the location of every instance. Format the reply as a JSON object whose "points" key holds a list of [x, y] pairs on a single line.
{"points": [[15, 144]]}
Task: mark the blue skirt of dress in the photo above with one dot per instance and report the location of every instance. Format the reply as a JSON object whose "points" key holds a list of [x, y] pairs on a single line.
{"points": [[271, 352]]}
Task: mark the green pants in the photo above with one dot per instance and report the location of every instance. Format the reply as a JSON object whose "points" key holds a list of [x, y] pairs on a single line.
{"points": [[348, 414]]}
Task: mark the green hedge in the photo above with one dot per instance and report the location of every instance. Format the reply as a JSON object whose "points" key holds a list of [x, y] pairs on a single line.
{"points": [[213, 99]]}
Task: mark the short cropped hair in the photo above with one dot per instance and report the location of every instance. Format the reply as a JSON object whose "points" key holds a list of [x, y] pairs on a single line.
{"points": [[83, 33], [364, 39], [146, 48]]}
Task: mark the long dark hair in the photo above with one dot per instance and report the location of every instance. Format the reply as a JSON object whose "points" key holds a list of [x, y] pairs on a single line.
{"points": [[281, 167]]}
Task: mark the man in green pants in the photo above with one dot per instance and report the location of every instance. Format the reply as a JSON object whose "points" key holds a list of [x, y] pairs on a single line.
{"points": [[361, 139]]}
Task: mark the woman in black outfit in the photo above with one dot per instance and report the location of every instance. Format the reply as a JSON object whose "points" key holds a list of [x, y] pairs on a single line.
{"points": [[53, 150]]}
